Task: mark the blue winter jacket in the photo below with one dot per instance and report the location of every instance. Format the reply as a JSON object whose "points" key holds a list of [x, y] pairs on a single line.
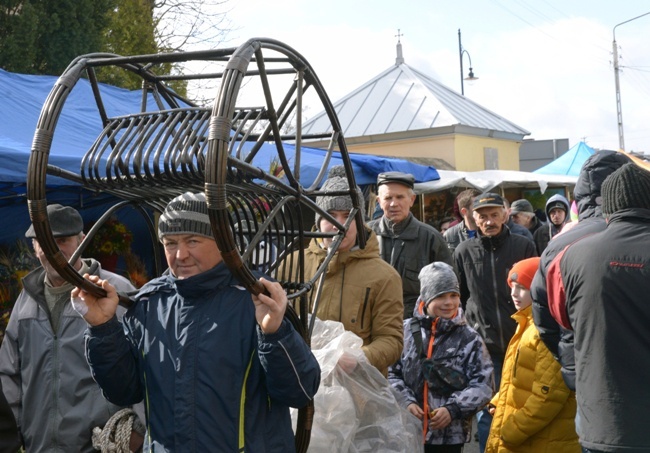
{"points": [[212, 381]]}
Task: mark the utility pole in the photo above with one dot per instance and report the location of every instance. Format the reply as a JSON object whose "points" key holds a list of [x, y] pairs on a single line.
{"points": [[619, 110]]}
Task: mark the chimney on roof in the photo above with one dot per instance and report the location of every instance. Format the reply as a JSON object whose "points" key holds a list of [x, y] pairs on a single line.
{"points": [[400, 59]]}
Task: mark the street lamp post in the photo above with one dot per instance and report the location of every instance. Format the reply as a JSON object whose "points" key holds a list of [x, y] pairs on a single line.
{"points": [[470, 76], [619, 110]]}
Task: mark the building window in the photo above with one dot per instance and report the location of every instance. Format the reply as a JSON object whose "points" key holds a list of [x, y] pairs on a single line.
{"points": [[491, 156]]}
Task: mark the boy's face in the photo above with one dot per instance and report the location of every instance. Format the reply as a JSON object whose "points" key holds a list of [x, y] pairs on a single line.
{"points": [[444, 306], [520, 296]]}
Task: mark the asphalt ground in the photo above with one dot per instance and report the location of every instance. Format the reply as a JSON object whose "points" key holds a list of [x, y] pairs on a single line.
{"points": [[472, 447]]}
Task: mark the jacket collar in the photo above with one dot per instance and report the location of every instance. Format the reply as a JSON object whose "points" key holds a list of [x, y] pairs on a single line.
{"points": [[196, 287], [625, 215], [494, 242], [34, 282], [371, 250], [443, 325], [523, 316], [397, 229]]}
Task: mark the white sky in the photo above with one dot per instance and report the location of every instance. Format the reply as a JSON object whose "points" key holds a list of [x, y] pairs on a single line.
{"points": [[545, 65]]}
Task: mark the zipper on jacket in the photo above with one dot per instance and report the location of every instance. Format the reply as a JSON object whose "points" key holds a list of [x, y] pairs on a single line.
{"points": [[496, 299], [242, 406], [365, 304], [393, 255], [514, 368], [53, 435], [146, 398]]}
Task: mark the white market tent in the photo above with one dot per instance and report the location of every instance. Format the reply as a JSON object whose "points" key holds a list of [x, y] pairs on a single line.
{"points": [[487, 180]]}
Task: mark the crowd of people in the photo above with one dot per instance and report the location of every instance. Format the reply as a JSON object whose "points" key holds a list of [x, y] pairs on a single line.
{"points": [[534, 327]]}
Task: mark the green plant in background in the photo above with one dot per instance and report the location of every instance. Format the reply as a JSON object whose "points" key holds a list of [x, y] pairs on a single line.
{"points": [[113, 238], [16, 261]]}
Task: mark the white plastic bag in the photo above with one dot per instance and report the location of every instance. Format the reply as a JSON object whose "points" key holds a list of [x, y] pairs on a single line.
{"points": [[355, 410]]}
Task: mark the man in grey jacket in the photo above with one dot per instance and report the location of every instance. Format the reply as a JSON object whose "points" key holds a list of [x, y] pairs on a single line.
{"points": [[45, 376], [405, 242]]}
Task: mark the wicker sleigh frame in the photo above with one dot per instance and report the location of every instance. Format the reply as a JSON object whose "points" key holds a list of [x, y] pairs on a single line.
{"points": [[148, 157]]}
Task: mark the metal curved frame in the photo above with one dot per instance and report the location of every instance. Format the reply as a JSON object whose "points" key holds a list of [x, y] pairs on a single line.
{"points": [[173, 145]]}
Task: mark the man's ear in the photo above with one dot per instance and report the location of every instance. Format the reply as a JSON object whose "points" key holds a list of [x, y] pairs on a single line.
{"points": [[463, 212], [413, 200]]}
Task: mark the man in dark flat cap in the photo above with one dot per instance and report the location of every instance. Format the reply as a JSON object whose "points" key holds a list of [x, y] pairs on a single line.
{"points": [[44, 373], [405, 242]]}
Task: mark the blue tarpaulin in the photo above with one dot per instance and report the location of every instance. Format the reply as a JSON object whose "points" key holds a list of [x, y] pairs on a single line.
{"points": [[79, 125]]}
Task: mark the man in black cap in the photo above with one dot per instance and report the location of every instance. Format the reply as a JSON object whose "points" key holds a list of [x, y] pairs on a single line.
{"points": [[45, 376], [405, 242], [598, 287], [482, 264]]}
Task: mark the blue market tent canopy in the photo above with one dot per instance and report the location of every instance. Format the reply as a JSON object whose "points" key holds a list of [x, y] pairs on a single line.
{"points": [[569, 163], [366, 167], [23, 97]]}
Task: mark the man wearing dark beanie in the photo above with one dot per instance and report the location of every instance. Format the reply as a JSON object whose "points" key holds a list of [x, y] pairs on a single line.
{"points": [[360, 290], [218, 368], [598, 288]]}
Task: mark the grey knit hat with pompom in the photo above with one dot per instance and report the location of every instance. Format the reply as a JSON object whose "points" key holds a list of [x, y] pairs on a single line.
{"points": [[337, 181]]}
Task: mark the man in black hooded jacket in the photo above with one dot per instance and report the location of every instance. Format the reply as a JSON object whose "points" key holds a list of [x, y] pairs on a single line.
{"points": [[598, 288], [590, 220]]}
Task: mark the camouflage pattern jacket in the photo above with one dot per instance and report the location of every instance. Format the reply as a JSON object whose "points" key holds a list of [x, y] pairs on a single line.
{"points": [[457, 347]]}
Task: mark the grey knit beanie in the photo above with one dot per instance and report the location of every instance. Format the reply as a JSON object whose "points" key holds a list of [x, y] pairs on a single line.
{"points": [[436, 279], [186, 214], [628, 187], [337, 181]]}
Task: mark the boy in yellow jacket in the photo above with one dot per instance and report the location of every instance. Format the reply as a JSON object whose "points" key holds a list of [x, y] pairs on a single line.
{"points": [[533, 411]]}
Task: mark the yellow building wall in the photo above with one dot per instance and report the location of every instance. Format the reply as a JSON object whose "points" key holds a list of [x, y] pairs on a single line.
{"points": [[462, 152], [470, 153], [441, 147]]}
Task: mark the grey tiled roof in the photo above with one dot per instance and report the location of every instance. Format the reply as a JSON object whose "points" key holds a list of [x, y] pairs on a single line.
{"points": [[402, 99]]}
